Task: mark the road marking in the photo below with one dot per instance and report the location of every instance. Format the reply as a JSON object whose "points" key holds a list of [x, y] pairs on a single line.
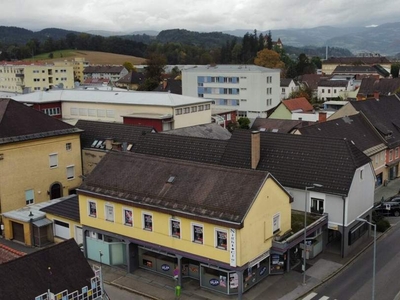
{"points": [[324, 298], [310, 296]]}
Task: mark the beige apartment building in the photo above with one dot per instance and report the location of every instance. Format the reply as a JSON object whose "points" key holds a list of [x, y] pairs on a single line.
{"points": [[20, 77]]}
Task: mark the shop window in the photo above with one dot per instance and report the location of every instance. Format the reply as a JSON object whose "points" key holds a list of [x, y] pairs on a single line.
{"points": [[92, 209], [197, 231], [128, 217], [109, 211], [276, 223], [317, 206], [221, 239], [148, 222], [176, 228]]}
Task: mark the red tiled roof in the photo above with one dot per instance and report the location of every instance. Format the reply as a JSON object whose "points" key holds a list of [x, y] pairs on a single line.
{"points": [[297, 104], [7, 254]]}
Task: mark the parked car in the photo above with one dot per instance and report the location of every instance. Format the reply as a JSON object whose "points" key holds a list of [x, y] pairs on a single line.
{"points": [[389, 208]]}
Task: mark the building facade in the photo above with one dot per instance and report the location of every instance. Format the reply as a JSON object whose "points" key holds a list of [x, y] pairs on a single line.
{"points": [[250, 89]]}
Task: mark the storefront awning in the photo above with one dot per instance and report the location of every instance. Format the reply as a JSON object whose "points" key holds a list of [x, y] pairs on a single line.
{"points": [[42, 222]]}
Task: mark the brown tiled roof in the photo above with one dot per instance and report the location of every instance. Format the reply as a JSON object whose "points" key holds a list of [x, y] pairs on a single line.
{"points": [[356, 59], [103, 69], [311, 80], [207, 192], [7, 254], [95, 130], [19, 122], [298, 104], [384, 86], [30, 276], [354, 128]]}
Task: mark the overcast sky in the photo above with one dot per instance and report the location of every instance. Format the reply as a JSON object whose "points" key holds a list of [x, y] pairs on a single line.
{"points": [[196, 15]]}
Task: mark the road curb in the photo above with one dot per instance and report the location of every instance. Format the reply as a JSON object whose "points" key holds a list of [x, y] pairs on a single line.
{"points": [[122, 287], [344, 265]]}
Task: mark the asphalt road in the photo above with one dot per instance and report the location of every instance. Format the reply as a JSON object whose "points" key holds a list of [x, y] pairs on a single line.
{"points": [[115, 293], [355, 282]]}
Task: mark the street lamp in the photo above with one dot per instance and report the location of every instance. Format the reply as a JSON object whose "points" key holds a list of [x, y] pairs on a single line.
{"points": [[305, 228], [374, 259]]}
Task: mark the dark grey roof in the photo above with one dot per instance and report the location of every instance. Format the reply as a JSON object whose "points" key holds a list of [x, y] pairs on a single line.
{"points": [[171, 86], [68, 208], [354, 128], [103, 69], [208, 192], [132, 78], [384, 115], [29, 276], [384, 86], [182, 147], [94, 130], [19, 122], [297, 161], [333, 83], [357, 60], [210, 131], [361, 70], [286, 81], [278, 125]]}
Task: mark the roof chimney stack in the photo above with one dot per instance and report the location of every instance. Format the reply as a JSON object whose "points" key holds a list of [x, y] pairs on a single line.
{"points": [[255, 149], [321, 117]]}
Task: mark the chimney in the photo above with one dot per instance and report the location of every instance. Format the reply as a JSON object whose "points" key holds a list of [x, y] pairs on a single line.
{"points": [[255, 149], [376, 95], [109, 142], [321, 117], [116, 146]]}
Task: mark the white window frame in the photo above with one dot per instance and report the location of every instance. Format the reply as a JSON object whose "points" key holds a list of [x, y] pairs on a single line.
{"points": [[53, 160], [68, 146], [64, 233], [125, 209], [109, 214], [30, 201], [95, 206], [277, 228], [171, 228], [144, 221], [216, 231], [71, 167], [318, 201], [193, 235]]}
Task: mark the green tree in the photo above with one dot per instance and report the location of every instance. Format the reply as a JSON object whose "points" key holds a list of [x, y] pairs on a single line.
{"points": [[317, 62], [394, 70], [154, 70], [269, 59], [269, 40], [128, 65], [303, 91], [51, 55], [244, 123]]}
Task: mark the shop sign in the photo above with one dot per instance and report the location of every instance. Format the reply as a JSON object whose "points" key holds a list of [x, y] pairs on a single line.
{"points": [[214, 282], [232, 247], [262, 271], [165, 267]]}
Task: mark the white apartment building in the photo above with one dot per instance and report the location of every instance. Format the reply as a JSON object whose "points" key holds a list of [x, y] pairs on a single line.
{"points": [[20, 77], [249, 89]]}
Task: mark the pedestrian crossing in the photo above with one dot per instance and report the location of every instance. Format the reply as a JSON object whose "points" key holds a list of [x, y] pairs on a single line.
{"points": [[314, 296]]}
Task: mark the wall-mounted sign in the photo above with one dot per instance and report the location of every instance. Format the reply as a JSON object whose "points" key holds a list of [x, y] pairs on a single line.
{"points": [[232, 247], [262, 271], [165, 267], [214, 281], [333, 227]]}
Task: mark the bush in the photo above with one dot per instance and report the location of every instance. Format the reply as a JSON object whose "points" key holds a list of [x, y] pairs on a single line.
{"points": [[382, 225]]}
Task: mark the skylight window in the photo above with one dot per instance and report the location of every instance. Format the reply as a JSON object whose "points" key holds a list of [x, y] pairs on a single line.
{"points": [[171, 179], [94, 143]]}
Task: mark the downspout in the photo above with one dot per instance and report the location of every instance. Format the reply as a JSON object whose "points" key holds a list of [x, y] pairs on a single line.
{"points": [[343, 230]]}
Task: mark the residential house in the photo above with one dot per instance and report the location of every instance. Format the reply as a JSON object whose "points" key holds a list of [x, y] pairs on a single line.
{"points": [[113, 73], [361, 71], [278, 125], [330, 64], [372, 87], [287, 108], [20, 77], [208, 131], [383, 114], [249, 89], [131, 81], [360, 132], [39, 157], [179, 218], [311, 81], [170, 85], [163, 111], [288, 86], [56, 272], [98, 138], [297, 161], [330, 89], [44, 223]]}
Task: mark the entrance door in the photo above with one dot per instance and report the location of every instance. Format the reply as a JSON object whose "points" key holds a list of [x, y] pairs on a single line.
{"points": [[18, 232], [78, 235], [55, 191]]}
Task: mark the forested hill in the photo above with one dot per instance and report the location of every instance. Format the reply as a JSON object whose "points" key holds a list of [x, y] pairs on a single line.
{"points": [[20, 36]]}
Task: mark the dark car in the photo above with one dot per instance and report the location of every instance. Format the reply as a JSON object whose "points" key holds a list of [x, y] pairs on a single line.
{"points": [[389, 208]]}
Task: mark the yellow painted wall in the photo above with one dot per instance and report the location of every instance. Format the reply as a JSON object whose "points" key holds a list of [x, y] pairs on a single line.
{"points": [[192, 118], [256, 236], [25, 165], [160, 234], [8, 233], [282, 113], [346, 110]]}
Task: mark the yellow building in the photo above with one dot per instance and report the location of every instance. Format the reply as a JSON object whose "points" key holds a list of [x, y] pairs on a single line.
{"points": [[40, 158], [20, 77], [184, 219]]}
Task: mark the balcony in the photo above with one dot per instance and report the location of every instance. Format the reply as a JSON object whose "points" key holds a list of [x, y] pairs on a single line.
{"points": [[20, 75]]}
